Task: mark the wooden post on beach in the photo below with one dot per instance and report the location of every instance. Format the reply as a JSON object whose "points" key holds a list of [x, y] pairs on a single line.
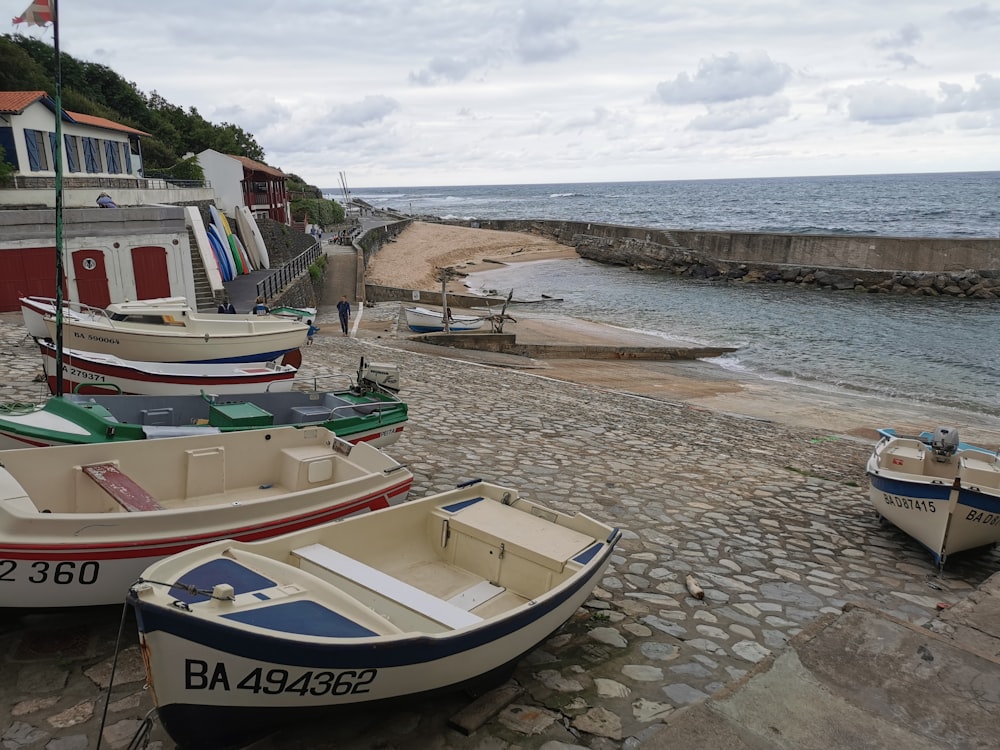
{"points": [[444, 299]]}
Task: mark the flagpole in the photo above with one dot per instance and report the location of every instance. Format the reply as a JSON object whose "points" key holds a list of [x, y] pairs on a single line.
{"points": [[60, 276]]}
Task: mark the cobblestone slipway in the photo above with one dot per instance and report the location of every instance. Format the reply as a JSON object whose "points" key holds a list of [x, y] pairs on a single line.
{"points": [[773, 522]]}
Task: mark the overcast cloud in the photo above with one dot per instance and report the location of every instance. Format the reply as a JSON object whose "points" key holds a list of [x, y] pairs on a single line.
{"points": [[444, 92]]}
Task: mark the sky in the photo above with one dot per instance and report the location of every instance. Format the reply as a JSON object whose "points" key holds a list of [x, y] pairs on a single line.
{"points": [[399, 93]]}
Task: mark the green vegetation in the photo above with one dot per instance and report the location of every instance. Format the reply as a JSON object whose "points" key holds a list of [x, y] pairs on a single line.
{"points": [[26, 64], [317, 268], [309, 204]]}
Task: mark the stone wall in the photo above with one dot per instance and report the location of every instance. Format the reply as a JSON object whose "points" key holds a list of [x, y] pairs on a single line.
{"points": [[901, 265]]}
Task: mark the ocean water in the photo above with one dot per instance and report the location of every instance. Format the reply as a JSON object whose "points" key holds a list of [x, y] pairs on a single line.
{"points": [[937, 351]]}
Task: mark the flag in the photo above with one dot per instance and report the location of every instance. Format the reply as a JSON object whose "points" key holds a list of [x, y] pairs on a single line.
{"points": [[39, 13]]}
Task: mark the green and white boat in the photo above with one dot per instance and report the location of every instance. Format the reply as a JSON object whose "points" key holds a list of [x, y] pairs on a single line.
{"points": [[367, 412]]}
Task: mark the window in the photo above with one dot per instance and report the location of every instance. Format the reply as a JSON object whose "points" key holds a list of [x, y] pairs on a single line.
{"points": [[72, 152], [91, 156], [113, 157], [38, 159]]}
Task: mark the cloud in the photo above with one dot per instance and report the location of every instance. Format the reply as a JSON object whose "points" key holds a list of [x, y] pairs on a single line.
{"points": [[985, 95], [747, 113], [369, 110], [975, 16], [905, 59], [444, 69], [907, 35], [726, 79], [542, 34], [882, 103]]}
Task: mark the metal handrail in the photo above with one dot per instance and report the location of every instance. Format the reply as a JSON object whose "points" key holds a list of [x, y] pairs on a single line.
{"points": [[288, 272]]}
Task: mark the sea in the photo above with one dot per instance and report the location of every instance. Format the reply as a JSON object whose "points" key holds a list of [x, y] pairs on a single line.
{"points": [[940, 352]]}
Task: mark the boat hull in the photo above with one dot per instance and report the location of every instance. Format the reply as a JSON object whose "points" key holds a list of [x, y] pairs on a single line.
{"points": [[201, 705], [87, 372], [421, 320], [80, 419], [947, 506], [444, 591], [213, 488]]}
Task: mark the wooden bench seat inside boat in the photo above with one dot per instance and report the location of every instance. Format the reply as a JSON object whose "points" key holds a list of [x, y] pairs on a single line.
{"points": [[122, 488], [353, 575]]}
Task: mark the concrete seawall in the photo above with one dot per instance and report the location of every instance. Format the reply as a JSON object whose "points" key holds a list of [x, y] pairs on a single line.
{"points": [[918, 265]]}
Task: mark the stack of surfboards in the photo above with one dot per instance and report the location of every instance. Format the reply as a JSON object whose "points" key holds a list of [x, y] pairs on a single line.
{"points": [[227, 253]]}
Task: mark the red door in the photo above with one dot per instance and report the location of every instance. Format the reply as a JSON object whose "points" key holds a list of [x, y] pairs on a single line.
{"points": [[149, 267], [91, 278], [27, 271]]}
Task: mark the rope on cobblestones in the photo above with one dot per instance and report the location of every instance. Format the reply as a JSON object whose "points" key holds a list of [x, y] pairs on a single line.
{"points": [[111, 679], [17, 407]]}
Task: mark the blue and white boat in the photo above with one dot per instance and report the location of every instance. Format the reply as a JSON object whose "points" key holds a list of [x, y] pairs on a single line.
{"points": [[438, 593], [938, 490], [423, 320]]}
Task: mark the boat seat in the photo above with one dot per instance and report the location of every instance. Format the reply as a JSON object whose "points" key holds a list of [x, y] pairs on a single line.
{"points": [[388, 586], [122, 488], [303, 414]]}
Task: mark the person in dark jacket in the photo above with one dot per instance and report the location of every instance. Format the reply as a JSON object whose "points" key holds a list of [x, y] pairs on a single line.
{"points": [[344, 310], [227, 308]]}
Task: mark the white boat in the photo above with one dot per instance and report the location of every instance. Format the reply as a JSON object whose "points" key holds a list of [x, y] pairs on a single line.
{"points": [[943, 493], [167, 329], [35, 309], [440, 592], [89, 372], [79, 523], [424, 320]]}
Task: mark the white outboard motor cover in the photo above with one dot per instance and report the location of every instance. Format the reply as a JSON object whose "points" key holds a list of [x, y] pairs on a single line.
{"points": [[944, 443], [380, 374]]}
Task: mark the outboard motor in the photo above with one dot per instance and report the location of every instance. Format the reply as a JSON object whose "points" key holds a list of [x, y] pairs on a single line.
{"points": [[944, 443], [378, 376]]}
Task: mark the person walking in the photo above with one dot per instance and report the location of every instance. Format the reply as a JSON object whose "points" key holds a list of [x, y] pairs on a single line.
{"points": [[344, 310], [313, 330]]}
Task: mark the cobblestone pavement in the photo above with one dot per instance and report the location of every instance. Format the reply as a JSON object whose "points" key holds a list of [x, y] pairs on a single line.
{"points": [[772, 522]]}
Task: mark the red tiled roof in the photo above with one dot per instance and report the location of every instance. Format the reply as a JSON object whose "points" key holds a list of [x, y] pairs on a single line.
{"points": [[100, 122], [15, 102], [256, 166]]}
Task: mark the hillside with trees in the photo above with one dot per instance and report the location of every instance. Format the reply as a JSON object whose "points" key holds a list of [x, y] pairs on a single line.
{"points": [[27, 64]]}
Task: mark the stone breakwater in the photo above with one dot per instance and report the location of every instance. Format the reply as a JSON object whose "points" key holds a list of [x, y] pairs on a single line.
{"points": [[896, 265], [772, 521]]}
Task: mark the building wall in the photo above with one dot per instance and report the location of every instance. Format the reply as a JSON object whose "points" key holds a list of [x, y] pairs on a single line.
{"points": [[226, 177]]}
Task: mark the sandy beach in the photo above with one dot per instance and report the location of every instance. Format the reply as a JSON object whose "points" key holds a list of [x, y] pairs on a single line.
{"points": [[413, 260]]}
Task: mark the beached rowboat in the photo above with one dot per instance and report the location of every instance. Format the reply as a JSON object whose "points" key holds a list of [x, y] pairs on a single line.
{"points": [[423, 320], [169, 330], [88, 372], [79, 523], [437, 593], [943, 493]]}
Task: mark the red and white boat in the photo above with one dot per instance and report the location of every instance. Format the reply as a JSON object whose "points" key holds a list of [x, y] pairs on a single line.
{"points": [[79, 523], [89, 372]]}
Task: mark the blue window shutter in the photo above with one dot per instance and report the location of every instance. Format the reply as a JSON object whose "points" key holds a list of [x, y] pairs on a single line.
{"points": [[128, 158], [32, 144], [10, 150], [52, 146], [72, 161], [90, 155], [112, 157]]}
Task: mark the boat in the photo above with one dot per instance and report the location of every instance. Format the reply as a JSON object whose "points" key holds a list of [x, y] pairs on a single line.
{"points": [[89, 372], [943, 493], [299, 313], [424, 320], [438, 593], [167, 329], [35, 309], [79, 523], [362, 413]]}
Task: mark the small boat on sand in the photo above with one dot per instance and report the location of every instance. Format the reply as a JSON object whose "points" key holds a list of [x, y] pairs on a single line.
{"points": [[441, 592], [89, 372], [424, 320], [938, 490], [79, 523], [167, 329]]}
